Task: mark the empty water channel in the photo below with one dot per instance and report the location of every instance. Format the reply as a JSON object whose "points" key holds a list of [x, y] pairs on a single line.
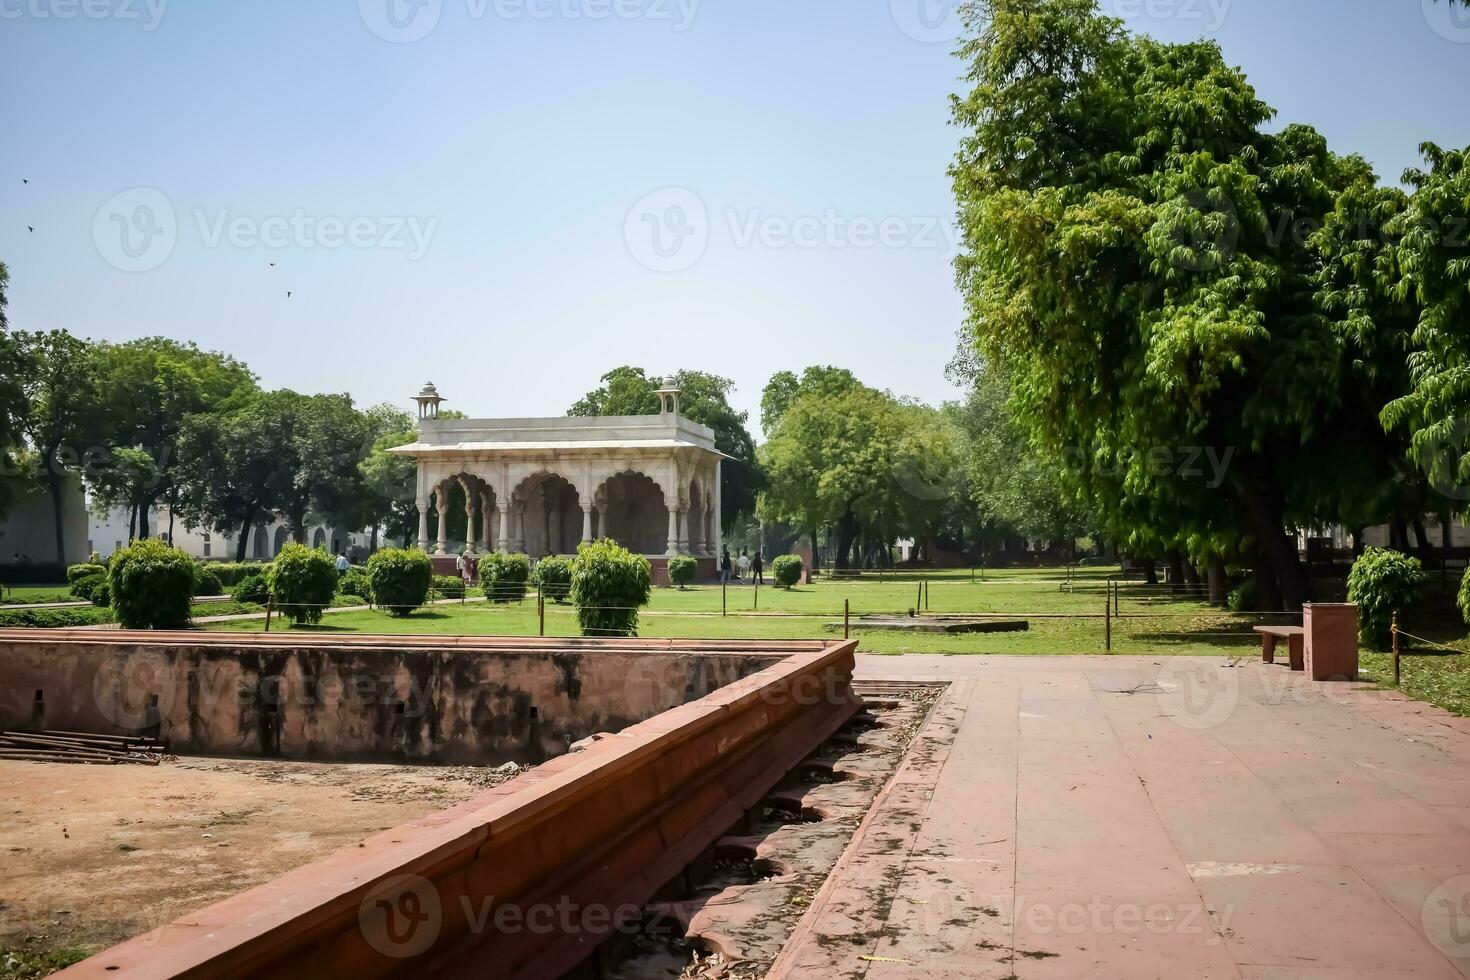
{"points": [[732, 910]]}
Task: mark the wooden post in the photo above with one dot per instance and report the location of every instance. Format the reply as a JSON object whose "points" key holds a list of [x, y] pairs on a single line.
{"points": [[724, 605], [926, 595], [846, 619], [268, 602], [755, 595], [1394, 628], [1108, 626], [540, 612], [919, 601]]}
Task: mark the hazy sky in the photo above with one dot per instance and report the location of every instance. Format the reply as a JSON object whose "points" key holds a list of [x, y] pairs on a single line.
{"points": [[509, 197]]}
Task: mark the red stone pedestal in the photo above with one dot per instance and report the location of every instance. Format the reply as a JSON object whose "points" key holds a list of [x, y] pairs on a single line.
{"points": [[1331, 640]]}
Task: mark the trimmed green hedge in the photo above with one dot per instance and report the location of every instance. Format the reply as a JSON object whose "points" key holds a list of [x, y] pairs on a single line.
{"points": [[448, 587], [253, 588], [151, 585], [399, 579], [52, 618], [206, 582], [232, 573], [355, 581], [85, 586], [84, 570], [786, 570], [302, 581], [553, 576], [609, 585], [682, 569], [504, 576], [1382, 582]]}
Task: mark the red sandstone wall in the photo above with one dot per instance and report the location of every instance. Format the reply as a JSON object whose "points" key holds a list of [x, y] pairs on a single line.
{"points": [[386, 701]]}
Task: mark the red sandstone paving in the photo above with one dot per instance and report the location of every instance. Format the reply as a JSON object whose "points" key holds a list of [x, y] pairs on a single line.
{"points": [[1142, 817]]}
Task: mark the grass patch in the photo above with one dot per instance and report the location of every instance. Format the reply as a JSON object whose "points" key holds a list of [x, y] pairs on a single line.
{"points": [[19, 964]]}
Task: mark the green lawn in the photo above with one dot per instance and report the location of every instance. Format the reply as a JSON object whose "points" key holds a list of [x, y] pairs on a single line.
{"points": [[1066, 615], [36, 593]]}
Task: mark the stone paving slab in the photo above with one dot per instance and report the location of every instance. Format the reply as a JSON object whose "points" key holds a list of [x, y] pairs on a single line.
{"points": [[1130, 817]]}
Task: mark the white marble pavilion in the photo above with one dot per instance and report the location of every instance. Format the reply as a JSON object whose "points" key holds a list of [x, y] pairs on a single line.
{"points": [[542, 486]]}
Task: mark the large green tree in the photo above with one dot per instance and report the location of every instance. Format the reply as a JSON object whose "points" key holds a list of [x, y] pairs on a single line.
{"points": [[63, 417], [859, 462], [151, 387], [1120, 200], [704, 398]]}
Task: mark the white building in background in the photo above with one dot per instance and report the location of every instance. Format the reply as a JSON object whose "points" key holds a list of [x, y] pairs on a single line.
{"points": [[110, 532], [544, 486], [28, 529]]}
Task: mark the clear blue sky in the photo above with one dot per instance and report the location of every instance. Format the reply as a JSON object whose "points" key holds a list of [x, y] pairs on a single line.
{"points": [[795, 151]]}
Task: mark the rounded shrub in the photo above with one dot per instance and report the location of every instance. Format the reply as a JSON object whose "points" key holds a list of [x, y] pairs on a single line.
{"points": [[206, 582], [1463, 597], [609, 584], [682, 569], [504, 576], [355, 582], [85, 586], [1382, 582], [84, 570], [553, 576], [150, 585], [399, 578], [302, 582], [1245, 597], [786, 570], [102, 595], [253, 588], [448, 587]]}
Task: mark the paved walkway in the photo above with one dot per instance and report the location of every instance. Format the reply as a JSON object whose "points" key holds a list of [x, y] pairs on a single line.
{"points": [[1155, 817]]}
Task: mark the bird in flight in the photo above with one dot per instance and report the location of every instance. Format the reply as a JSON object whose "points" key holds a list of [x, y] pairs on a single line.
{"points": [[288, 294], [24, 181], [30, 229]]}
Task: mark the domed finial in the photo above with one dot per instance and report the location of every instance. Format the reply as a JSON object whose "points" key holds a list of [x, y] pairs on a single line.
{"points": [[428, 400]]}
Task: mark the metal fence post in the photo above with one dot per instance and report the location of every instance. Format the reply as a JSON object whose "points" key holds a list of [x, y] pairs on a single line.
{"points": [[1108, 626], [540, 611], [268, 603], [846, 619], [1394, 628], [724, 605]]}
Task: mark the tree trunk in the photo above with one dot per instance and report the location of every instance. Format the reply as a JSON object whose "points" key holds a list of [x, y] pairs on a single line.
{"points": [[244, 541], [57, 484], [1268, 592], [1264, 506], [1425, 549], [1191, 573], [846, 533], [1150, 574], [808, 570], [1175, 562], [373, 541], [1219, 585], [1358, 542], [142, 521]]}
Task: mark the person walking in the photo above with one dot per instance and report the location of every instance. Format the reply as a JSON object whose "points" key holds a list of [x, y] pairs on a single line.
{"points": [[758, 565], [744, 565], [342, 564], [724, 565]]}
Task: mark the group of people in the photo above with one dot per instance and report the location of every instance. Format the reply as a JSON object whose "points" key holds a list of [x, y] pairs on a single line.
{"points": [[746, 568]]}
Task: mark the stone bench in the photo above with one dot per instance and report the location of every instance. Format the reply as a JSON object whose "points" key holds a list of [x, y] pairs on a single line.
{"points": [[1295, 637]]}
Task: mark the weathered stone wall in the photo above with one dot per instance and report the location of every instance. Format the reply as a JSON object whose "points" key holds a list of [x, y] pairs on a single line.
{"points": [[380, 700]]}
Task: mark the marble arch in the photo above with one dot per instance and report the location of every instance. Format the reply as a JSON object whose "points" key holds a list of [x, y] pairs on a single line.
{"points": [[545, 485]]}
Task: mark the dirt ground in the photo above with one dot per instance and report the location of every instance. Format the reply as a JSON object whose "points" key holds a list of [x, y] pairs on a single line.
{"points": [[91, 855]]}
